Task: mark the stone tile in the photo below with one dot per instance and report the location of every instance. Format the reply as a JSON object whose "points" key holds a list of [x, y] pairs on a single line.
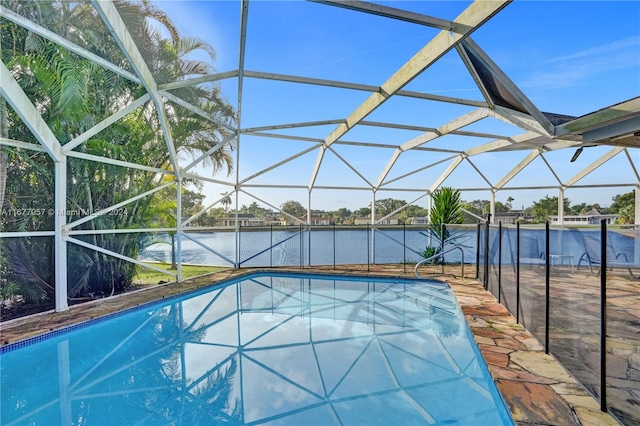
{"points": [[536, 404], [564, 388], [582, 401], [519, 376], [487, 332], [493, 348], [531, 344], [594, 417], [541, 364], [511, 344], [483, 340], [495, 358]]}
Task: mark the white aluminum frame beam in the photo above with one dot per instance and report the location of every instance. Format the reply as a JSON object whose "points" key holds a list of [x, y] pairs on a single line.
{"points": [[361, 87], [351, 167], [118, 205], [393, 13], [49, 35], [590, 168], [551, 169], [117, 255], [455, 124], [106, 123], [22, 105], [106, 160], [278, 164], [468, 160], [454, 164], [471, 18], [112, 19], [186, 105], [198, 80], [428, 166], [633, 167], [518, 168], [22, 145]]}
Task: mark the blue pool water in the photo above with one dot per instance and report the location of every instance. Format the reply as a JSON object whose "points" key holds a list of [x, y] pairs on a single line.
{"points": [[264, 349]]}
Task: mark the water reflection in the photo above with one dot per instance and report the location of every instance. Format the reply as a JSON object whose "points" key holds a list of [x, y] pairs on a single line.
{"points": [[265, 350]]}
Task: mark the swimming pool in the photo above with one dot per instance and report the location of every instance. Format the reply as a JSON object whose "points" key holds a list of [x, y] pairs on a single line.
{"points": [[262, 349]]}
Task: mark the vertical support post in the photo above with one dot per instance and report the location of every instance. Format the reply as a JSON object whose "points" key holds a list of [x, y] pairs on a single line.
{"points": [[561, 206], [443, 229], [271, 245], [238, 239], [492, 207], [179, 227], [636, 248], [547, 287], [309, 245], [499, 261], [486, 252], [373, 228], [60, 243], [518, 273], [238, 225], [368, 249], [334, 246], [404, 247], [637, 207], [603, 315], [479, 227], [309, 223], [301, 243]]}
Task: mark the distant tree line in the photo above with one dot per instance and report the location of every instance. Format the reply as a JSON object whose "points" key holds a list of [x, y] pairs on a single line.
{"points": [[538, 212]]}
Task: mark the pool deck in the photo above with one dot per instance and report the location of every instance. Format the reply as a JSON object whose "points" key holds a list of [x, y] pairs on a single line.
{"points": [[536, 388]]}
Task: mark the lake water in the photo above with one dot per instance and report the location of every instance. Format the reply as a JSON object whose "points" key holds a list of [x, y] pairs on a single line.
{"points": [[292, 247]]}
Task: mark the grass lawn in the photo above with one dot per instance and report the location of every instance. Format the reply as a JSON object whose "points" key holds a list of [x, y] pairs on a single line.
{"points": [[145, 276]]}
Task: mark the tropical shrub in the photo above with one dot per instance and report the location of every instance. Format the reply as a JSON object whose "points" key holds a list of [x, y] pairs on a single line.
{"points": [[446, 210]]}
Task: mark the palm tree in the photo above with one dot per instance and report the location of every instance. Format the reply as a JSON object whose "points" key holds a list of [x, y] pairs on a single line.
{"points": [[226, 201], [509, 201]]}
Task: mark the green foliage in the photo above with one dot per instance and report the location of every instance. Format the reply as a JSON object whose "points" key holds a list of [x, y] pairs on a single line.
{"points": [[294, 208], [624, 206], [388, 205], [476, 207], [499, 208], [626, 214], [446, 210], [546, 207], [430, 251], [73, 94]]}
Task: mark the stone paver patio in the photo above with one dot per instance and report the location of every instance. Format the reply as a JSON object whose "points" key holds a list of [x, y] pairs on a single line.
{"points": [[536, 388]]}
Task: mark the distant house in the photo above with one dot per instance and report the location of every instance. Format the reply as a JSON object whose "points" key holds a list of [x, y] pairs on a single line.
{"points": [[315, 220], [288, 221], [244, 219], [363, 220], [321, 220], [592, 217], [419, 220], [509, 218]]}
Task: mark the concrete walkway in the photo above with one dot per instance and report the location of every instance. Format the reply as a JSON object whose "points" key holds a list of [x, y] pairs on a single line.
{"points": [[536, 388]]}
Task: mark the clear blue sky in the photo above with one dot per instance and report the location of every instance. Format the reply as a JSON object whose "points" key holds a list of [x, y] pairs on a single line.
{"points": [[568, 57]]}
